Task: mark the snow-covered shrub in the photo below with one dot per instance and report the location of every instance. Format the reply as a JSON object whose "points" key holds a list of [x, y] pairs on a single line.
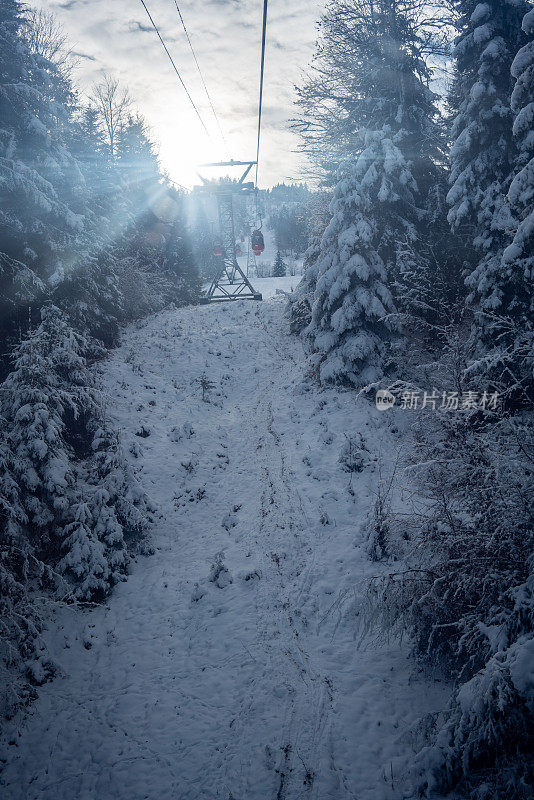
{"points": [[299, 312], [484, 749], [354, 455], [467, 594]]}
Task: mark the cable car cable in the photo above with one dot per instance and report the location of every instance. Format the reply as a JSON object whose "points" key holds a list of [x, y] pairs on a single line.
{"points": [[263, 38], [175, 68], [201, 75]]}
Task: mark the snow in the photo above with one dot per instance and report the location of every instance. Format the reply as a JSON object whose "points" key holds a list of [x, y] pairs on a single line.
{"points": [[228, 665], [270, 286], [528, 21], [481, 12], [522, 666]]}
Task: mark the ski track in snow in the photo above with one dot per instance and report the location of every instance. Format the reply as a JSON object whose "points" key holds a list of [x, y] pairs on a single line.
{"points": [[227, 665]]}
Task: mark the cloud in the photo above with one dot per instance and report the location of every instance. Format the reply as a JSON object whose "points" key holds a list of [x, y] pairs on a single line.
{"points": [[117, 37], [134, 26], [79, 54]]}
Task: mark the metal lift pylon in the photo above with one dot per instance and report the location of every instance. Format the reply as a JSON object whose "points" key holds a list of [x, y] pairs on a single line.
{"points": [[229, 281]]}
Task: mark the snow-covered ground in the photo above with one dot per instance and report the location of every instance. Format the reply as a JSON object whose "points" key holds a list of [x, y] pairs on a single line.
{"points": [[269, 287], [228, 665]]}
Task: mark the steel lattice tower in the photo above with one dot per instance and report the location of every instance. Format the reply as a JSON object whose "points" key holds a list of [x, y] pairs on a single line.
{"points": [[229, 282]]}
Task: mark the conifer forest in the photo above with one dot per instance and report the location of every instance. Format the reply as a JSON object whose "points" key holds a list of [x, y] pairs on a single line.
{"points": [[267, 425]]}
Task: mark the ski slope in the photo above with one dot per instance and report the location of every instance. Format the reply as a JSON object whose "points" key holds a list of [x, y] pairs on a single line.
{"points": [[229, 664]]}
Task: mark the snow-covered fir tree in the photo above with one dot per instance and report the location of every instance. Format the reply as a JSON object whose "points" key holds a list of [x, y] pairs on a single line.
{"points": [[518, 257], [521, 192], [352, 299], [74, 518], [40, 217], [34, 399], [379, 204], [85, 558], [116, 488], [483, 155], [279, 267], [351, 70], [202, 237], [300, 301]]}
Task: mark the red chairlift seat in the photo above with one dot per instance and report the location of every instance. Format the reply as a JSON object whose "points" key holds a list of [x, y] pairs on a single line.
{"points": [[217, 250], [257, 242], [238, 250]]}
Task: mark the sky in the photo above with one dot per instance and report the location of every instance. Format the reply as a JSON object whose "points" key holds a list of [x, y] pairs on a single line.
{"points": [[116, 36]]}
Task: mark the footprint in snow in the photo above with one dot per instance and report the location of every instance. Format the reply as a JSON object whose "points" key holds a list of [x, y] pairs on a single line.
{"points": [[219, 573], [230, 520]]}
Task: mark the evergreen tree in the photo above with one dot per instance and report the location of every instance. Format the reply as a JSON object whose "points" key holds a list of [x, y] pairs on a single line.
{"points": [[301, 300], [75, 522], [117, 498], [279, 268], [484, 152], [180, 257], [288, 218], [40, 215], [521, 192], [85, 557], [353, 71], [202, 236], [518, 257], [352, 300], [48, 381], [379, 207]]}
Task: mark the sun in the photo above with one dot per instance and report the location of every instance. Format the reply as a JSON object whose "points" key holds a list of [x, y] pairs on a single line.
{"points": [[183, 146]]}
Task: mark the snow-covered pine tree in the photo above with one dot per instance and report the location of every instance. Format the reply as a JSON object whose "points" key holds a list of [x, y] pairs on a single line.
{"points": [[279, 268], [19, 620], [77, 517], [40, 218], [48, 381], [179, 257], [351, 67], [518, 258], [117, 499], [483, 155], [85, 558], [379, 204], [521, 192], [300, 301], [349, 328], [202, 237]]}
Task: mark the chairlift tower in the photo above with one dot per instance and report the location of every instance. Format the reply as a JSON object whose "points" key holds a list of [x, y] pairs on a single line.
{"points": [[229, 281]]}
